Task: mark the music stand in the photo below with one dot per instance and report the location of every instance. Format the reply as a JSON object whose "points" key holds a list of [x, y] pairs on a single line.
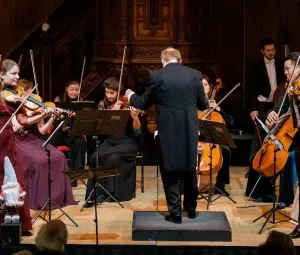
{"points": [[214, 133], [94, 174], [104, 122]]}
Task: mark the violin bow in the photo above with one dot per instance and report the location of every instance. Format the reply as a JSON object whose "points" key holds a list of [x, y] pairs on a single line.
{"points": [[0, 58], [34, 73], [82, 71], [15, 112], [121, 74], [233, 89], [20, 60]]}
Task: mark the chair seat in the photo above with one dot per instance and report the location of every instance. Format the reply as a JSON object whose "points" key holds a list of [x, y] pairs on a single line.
{"points": [[63, 148]]}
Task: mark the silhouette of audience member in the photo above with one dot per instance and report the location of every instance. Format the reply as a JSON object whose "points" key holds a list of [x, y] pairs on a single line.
{"points": [[277, 243], [52, 238]]}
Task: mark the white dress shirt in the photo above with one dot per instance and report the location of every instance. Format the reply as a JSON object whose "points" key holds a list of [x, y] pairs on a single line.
{"points": [[270, 65]]}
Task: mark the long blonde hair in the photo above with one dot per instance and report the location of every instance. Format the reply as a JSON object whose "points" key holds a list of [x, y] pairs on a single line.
{"points": [[52, 236]]}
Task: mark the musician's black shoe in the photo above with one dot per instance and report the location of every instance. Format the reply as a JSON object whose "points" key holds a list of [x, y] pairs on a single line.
{"points": [[74, 183], [26, 233], [296, 233], [264, 199], [224, 192], [222, 189], [173, 219], [282, 205], [89, 204]]}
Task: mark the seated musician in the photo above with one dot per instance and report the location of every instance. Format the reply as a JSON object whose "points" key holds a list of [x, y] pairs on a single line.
{"points": [[117, 150], [77, 144], [223, 176], [287, 180], [35, 160], [292, 73]]}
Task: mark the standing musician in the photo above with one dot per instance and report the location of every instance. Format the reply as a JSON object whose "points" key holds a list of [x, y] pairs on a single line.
{"points": [[264, 77], [117, 150], [294, 102], [77, 144], [177, 93], [223, 176], [35, 160], [9, 76]]}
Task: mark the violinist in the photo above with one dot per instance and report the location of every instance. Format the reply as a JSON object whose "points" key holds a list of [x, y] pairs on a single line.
{"points": [[35, 160], [294, 103], [117, 150], [9, 76], [223, 176], [77, 144]]}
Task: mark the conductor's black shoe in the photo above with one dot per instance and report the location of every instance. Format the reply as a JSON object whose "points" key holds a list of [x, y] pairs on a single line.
{"points": [[173, 219], [26, 233], [296, 233], [191, 214]]}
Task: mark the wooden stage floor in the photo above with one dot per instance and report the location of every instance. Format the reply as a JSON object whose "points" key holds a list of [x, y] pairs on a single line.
{"points": [[115, 223]]}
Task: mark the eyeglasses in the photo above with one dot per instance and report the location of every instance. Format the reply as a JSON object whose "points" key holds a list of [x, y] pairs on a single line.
{"points": [[286, 69]]}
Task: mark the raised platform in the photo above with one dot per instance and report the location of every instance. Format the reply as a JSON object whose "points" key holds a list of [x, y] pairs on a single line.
{"points": [[207, 226]]}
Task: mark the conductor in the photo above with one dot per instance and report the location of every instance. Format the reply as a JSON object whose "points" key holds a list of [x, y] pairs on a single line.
{"points": [[177, 92]]}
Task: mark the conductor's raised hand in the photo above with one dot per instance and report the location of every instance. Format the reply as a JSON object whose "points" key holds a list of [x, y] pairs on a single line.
{"points": [[128, 92]]}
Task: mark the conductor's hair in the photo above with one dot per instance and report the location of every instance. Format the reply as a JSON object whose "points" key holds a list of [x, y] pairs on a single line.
{"points": [[169, 54]]}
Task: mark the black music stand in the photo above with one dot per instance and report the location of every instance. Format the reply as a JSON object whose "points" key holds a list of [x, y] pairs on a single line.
{"points": [[49, 200], [104, 122], [94, 174], [214, 133]]}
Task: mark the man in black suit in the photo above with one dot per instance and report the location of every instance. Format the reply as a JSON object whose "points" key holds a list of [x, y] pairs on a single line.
{"points": [[178, 93], [264, 77]]}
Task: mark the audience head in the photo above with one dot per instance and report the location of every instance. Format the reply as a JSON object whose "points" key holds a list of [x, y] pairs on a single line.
{"points": [[277, 243], [52, 237]]}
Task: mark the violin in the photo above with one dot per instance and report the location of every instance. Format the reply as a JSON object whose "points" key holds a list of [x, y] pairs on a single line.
{"points": [[16, 94], [217, 158], [296, 87]]}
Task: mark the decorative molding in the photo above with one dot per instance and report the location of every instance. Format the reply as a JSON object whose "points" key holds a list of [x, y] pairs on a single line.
{"points": [[124, 29], [147, 51]]}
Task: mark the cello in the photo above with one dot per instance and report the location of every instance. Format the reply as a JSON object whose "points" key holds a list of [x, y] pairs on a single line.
{"points": [[217, 158]]}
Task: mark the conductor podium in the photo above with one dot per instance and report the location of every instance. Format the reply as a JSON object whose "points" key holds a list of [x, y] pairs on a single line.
{"points": [[208, 225]]}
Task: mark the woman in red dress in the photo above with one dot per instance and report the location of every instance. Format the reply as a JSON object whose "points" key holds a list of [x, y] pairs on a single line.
{"points": [[9, 76]]}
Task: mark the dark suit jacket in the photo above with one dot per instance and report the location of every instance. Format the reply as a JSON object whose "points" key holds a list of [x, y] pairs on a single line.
{"points": [[259, 83], [177, 92]]}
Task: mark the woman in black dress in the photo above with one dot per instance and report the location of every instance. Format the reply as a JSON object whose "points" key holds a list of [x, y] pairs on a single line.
{"points": [[117, 150]]}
